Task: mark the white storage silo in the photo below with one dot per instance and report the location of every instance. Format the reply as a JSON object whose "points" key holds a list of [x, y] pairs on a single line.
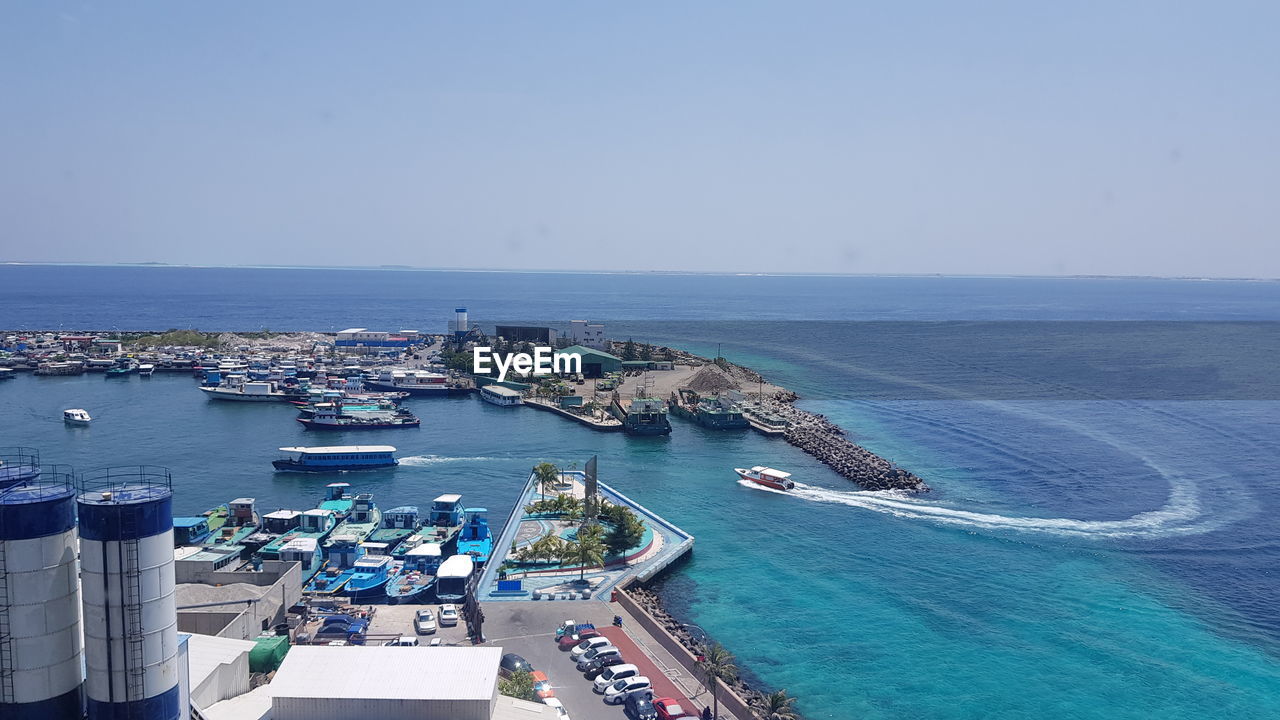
{"points": [[127, 579], [18, 464], [40, 656]]}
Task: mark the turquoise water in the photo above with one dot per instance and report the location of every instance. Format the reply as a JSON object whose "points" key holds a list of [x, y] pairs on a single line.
{"points": [[1104, 552]]}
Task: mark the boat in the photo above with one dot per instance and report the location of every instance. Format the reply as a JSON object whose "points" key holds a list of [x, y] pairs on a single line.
{"points": [[315, 524], [6, 373], [452, 577], [77, 417], [414, 382], [335, 458], [224, 525], [414, 577], [236, 387], [329, 416], [363, 518], [121, 371], [305, 551], [146, 369], [398, 524], [442, 526], [767, 477], [351, 572], [642, 416], [475, 539], [718, 412], [501, 396]]}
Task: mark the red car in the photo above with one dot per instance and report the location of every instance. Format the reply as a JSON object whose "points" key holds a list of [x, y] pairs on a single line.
{"points": [[542, 685], [568, 641], [669, 709]]}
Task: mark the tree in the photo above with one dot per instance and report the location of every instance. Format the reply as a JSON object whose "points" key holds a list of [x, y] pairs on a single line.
{"points": [[548, 477], [625, 534], [519, 685], [717, 666], [629, 350], [777, 706], [586, 550]]}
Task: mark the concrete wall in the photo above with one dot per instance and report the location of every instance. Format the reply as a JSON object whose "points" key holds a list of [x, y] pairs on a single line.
{"points": [[729, 700], [241, 621]]}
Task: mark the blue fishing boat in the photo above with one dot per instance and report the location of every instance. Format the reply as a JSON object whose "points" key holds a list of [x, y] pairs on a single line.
{"points": [[350, 572], [412, 579], [475, 539]]}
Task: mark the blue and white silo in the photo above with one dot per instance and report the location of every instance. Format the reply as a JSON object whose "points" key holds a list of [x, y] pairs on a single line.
{"points": [[40, 658], [127, 580]]}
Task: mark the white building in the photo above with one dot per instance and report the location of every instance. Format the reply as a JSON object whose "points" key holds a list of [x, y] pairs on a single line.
{"points": [[390, 683], [362, 335], [588, 334]]}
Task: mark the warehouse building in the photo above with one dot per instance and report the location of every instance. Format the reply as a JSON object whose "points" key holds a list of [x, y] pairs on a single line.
{"points": [[595, 363], [391, 683]]}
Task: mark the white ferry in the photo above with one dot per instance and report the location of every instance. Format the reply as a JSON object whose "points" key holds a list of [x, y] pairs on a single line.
{"points": [[415, 382], [336, 457], [501, 396], [767, 477]]}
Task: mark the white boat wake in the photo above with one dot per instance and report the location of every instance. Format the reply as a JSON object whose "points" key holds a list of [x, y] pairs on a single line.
{"points": [[426, 460]]}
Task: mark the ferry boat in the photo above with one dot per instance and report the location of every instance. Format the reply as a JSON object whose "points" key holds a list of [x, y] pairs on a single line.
{"points": [[146, 369], [414, 382], [475, 539], [335, 458], [77, 417], [328, 416], [501, 396], [452, 577], [767, 477], [414, 577]]}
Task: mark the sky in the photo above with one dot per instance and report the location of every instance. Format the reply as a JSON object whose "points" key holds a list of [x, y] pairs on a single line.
{"points": [[1037, 138]]}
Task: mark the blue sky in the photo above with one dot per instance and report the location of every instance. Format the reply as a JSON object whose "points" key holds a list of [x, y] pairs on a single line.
{"points": [[914, 137]]}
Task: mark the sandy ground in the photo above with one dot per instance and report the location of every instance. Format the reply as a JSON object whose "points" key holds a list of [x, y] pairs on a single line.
{"points": [[661, 383]]}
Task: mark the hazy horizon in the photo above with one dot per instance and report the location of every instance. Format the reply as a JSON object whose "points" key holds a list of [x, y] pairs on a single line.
{"points": [[810, 138]]}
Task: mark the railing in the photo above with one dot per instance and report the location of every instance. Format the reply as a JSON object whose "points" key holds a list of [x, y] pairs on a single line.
{"points": [[114, 479]]}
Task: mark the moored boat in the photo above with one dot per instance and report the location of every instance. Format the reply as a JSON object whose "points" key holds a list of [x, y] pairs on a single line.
{"points": [[501, 396], [235, 387], [767, 477], [475, 539], [412, 579], [329, 416]]}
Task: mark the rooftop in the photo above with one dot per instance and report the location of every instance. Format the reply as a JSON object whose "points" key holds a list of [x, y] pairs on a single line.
{"points": [[340, 449], [442, 673]]}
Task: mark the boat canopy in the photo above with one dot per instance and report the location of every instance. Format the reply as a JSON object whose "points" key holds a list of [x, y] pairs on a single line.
{"points": [[457, 566], [425, 550], [770, 472], [450, 498], [282, 515]]}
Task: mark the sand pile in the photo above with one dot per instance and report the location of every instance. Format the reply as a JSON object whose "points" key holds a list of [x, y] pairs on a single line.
{"points": [[711, 379]]}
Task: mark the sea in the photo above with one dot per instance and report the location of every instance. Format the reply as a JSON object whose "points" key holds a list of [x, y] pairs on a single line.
{"points": [[1101, 539]]}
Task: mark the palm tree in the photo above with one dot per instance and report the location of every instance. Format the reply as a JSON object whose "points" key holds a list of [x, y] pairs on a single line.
{"points": [[717, 666], [587, 550], [777, 706], [548, 477]]}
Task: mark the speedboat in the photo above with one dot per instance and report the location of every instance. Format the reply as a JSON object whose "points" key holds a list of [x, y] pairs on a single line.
{"points": [[767, 477], [76, 416]]}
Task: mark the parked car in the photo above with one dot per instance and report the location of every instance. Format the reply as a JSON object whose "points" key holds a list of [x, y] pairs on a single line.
{"points": [[669, 709], [404, 641], [448, 615], [587, 645], [542, 685], [639, 706], [512, 663], [614, 674], [561, 713], [619, 691], [602, 651], [599, 665], [568, 642], [424, 622]]}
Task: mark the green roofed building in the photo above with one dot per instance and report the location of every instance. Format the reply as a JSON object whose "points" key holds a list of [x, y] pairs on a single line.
{"points": [[595, 363]]}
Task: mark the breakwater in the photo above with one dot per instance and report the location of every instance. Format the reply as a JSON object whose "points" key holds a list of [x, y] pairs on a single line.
{"points": [[828, 442]]}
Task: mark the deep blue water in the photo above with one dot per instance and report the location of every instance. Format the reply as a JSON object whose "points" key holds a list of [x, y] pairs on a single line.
{"points": [[1102, 536]]}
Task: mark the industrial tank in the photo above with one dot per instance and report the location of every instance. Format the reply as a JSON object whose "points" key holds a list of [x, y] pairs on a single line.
{"points": [[127, 576], [40, 654]]}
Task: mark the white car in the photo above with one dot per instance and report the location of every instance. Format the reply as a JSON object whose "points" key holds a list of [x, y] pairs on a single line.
{"points": [[594, 653], [424, 622], [448, 615], [613, 674], [589, 644], [405, 641], [561, 713], [618, 692]]}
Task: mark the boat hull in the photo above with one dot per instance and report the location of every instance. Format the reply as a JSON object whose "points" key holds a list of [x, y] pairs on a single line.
{"points": [[314, 425], [290, 466], [219, 394]]}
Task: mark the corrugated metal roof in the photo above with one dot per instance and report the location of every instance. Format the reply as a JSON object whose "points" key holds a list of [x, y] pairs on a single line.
{"points": [[421, 673]]}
